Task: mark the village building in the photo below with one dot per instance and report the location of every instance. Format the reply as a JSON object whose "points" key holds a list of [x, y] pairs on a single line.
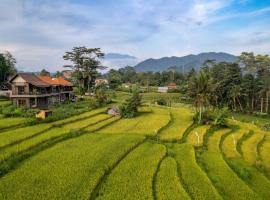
{"points": [[100, 81], [163, 89], [32, 91], [172, 86]]}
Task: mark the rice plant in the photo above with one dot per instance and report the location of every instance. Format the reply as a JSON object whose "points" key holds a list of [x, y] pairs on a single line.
{"points": [[132, 178], [168, 185], [69, 170]]}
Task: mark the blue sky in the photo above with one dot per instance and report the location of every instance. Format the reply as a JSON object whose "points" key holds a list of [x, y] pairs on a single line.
{"points": [[38, 32]]}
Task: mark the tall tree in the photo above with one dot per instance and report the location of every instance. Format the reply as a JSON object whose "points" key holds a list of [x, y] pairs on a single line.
{"points": [[7, 67], [200, 91], [86, 62], [44, 72]]}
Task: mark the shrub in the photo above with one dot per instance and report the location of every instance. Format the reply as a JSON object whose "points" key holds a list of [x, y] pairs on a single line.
{"points": [[162, 102], [215, 117], [130, 108], [103, 95], [13, 111]]}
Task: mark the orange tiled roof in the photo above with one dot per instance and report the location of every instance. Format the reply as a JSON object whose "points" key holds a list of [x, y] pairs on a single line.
{"points": [[62, 81], [55, 81]]}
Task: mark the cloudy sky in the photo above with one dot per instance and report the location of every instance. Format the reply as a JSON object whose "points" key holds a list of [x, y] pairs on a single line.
{"points": [[38, 32]]}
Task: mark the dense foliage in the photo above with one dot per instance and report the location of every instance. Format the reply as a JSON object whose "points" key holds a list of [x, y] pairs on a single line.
{"points": [[130, 108], [242, 86]]}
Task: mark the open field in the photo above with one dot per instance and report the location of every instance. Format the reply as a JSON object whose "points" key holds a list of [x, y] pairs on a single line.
{"points": [[159, 154]]}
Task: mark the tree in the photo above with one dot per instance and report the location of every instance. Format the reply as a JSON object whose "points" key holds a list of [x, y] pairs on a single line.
{"points": [[114, 79], [200, 91], [7, 67], [86, 62], [44, 72], [58, 74], [130, 108]]}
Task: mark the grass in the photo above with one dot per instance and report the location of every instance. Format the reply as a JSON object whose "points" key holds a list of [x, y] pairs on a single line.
{"points": [[258, 120], [195, 137], [147, 123], [195, 180], [252, 177], [132, 178], [265, 152], [152, 97], [168, 185], [69, 170], [181, 120]]}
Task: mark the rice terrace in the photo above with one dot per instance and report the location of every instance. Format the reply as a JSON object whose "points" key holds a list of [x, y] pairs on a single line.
{"points": [[155, 155], [134, 100]]}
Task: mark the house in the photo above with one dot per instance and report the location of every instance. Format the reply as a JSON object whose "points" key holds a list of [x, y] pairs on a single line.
{"points": [[100, 81], [172, 86], [67, 74], [34, 91], [163, 89], [5, 90]]}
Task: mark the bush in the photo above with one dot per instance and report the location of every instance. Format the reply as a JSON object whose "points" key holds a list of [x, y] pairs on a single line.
{"points": [[162, 102], [13, 111], [130, 108], [103, 95], [215, 117]]}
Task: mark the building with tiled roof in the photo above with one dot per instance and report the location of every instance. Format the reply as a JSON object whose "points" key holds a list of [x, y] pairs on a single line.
{"points": [[34, 91]]}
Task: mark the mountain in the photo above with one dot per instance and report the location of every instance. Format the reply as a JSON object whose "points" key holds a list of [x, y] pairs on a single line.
{"points": [[183, 64], [116, 60], [118, 56]]}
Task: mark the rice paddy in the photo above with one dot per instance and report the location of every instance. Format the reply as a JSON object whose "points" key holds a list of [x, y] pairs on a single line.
{"points": [[159, 154]]}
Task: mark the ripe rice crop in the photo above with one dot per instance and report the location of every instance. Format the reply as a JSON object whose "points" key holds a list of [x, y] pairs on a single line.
{"points": [[9, 137], [80, 117], [53, 133], [68, 170], [225, 180], [145, 124], [12, 121], [249, 148], [196, 181], [195, 137], [265, 152], [168, 184], [181, 120], [230, 143], [132, 178], [214, 140]]}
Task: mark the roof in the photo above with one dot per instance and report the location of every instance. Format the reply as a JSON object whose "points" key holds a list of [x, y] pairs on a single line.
{"points": [[42, 81], [55, 81], [172, 84], [32, 79], [48, 80], [62, 81]]}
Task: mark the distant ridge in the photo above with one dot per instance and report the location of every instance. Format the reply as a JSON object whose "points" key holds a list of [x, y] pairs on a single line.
{"points": [[183, 64]]}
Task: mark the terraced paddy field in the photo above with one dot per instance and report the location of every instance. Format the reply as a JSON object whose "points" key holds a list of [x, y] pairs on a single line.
{"points": [[160, 154]]}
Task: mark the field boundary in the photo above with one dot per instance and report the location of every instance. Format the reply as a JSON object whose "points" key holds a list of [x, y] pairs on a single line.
{"points": [[154, 180], [108, 171], [13, 161], [240, 142]]}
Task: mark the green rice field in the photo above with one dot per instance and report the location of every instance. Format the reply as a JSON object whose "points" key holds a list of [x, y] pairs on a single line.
{"points": [[160, 154]]}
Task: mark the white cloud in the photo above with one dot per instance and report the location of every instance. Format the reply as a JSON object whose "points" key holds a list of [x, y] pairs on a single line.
{"points": [[39, 32]]}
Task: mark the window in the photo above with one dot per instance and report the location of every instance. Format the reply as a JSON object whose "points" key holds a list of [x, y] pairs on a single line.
{"points": [[20, 89], [21, 102]]}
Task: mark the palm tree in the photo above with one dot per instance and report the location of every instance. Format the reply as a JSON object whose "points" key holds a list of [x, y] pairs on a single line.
{"points": [[200, 91]]}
